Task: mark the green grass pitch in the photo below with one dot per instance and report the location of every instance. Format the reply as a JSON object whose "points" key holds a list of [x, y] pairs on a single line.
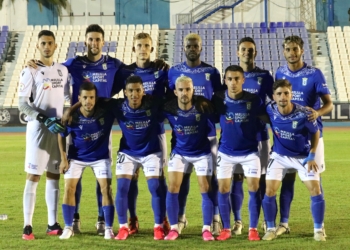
{"points": [[335, 183]]}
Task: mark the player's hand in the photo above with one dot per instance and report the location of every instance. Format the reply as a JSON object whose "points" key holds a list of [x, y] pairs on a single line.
{"points": [[160, 64], [313, 115], [32, 63], [54, 125], [203, 105], [312, 166], [64, 166], [67, 117]]}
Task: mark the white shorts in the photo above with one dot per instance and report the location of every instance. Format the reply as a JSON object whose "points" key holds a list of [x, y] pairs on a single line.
{"points": [[101, 169], [203, 164], [163, 148], [264, 148], [226, 165], [319, 157], [151, 164], [214, 149], [279, 165], [42, 152]]}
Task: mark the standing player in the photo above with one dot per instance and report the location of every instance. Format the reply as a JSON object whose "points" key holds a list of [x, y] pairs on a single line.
{"points": [[42, 93], [206, 80], [189, 145], [309, 88], [90, 133], [154, 83], [257, 81], [291, 126], [238, 145]]}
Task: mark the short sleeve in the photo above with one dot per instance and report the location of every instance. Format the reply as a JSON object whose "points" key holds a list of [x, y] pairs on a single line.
{"points": [[320, 84], [312, 127]]}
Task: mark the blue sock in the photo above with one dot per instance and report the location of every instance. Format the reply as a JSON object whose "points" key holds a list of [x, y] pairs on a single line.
{"points": [[153, 187], [99, 201], [164, 189], [172, 207], [270, 210], [321, 188], [317, 209], [237, 196], [183, 193], [132, 197], [261, 191], [214, 194], [286, 197], [109, 215], [207, 209], [254, 209], [121, 199], [225, 209], [68, 214], [78, 191]]}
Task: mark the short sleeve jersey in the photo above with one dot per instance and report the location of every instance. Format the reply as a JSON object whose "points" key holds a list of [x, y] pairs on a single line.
{"points": [[101, 73], [290, 132], [206, 80], [189, 130], [47, 86], [238, 120], [259, 81], [308, 85], [90, 135]]}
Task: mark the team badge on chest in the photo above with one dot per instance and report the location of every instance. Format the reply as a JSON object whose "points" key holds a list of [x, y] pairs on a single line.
{"points": [[294, 124], [104, 66], [102, 121], [156, 74], [249, 105], [207, 76], [259, 80], [304, 81], [198, 117], [148, 112]]}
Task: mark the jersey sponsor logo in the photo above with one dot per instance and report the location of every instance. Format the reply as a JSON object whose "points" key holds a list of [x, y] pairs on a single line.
{"points": [[92, 137], [32, 166], [179, 129], [59, 72], [94, 77], [104, 66], [198, 117], [46, 83], [249, 105], [87, 76], [156, 74], [294, 124], [130, 125], [229, 118], [259, 80], [283, 134], [304, 81], [207, 76]]}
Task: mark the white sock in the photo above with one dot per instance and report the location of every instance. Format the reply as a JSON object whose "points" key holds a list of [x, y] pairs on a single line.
{"points": [[174, 227], [29, 196], [123, 225], [271, 228], [52, 195], [206, 227], [216, 218], [158, 225]]}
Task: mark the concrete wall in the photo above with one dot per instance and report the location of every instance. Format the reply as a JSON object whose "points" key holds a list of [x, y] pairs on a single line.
{"points": [[14, 15]]}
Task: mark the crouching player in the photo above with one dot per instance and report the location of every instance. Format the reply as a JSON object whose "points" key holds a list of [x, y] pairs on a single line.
{"points": [[190, 145], [238, 146], [292, 150], [90, 131]]}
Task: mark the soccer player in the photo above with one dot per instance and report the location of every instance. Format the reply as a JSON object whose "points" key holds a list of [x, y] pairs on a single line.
{"points": [[139, 121], [90, 133], [206, 80], [291, 126], [154, 83], [257, 81], [309, 88], [189, 145], [238, 146], [42, 92]]}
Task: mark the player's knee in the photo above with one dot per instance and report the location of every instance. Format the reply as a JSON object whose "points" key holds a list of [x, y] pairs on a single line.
{"points": [[314, 188], [69, 190], [33, 177], [270, 191], [253, 184], [238, 177]]}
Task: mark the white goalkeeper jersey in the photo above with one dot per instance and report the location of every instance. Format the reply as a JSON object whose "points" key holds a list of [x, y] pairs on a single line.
{"points": [[47, 87]]}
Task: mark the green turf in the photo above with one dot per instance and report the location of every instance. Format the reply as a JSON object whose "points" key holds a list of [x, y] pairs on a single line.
{"points": [[335, 183]]}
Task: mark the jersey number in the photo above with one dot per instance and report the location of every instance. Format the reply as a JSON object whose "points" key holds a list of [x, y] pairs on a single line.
{"points": [[121, 158]]}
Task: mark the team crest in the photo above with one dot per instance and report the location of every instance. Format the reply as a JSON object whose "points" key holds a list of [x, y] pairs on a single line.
{"points": [[102, 121], [156, 74], [59, 72], [198, 117], [295, 124], [259, 80], [304, 81], [148, 112], [104, 66], [84, 66], [207, 76], [249, 105]]}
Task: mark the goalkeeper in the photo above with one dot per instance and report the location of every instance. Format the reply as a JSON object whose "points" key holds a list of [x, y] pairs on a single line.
{"points": [[42, 92]]}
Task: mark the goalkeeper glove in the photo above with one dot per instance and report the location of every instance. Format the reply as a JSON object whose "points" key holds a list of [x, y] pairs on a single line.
{"points": [[53, 124]]}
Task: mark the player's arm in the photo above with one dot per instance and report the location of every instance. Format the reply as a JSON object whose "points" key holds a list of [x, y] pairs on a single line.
{"points": [[315, 136], [64, 165], [67, 114], [160, 64]]}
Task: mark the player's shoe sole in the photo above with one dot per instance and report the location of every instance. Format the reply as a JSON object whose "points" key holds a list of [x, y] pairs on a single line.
{"points": [[55, 229]]}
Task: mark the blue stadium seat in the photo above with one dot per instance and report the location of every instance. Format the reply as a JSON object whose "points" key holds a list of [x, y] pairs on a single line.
{"points": [[273, 25], [113, 43], [300, 24], [112, 48], [5, 28], [279, 25], [248, 25], [179, 26], [273, 30], [240, 26], [286, 24], [226, 43], [4, 34], [233, 26], [225, 26], [225, 37], [263, 25], [210, 26], [72, 44], [264, 30], [187, 26], [194, 26], [256, 25], [293, 24], [210, 33], [202, 33], [81, 49], [256, 35], [249, 32], [218, 26], [202, 26]]}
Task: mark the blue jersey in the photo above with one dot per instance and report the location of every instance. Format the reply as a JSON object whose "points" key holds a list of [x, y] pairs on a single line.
{"points": [[154, 81], [308, 84], [206, 80], [139, 126], [259, 81], [291, 132], [90, 135], [101, 73], [189, 130], [238, 119]]}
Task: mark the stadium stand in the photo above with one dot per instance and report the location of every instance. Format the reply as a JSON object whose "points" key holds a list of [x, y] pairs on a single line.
{"points": [[5, 37]]}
